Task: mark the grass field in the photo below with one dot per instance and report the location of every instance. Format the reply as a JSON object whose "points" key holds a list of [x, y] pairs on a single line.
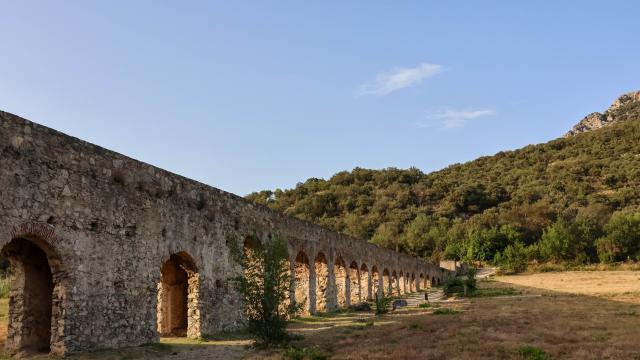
{"points": [[566, 315]]}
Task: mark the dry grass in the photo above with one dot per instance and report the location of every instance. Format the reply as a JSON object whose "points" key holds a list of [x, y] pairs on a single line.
{"points": [[567, 315]]}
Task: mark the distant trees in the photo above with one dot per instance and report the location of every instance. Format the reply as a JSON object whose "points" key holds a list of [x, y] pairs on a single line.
{"points": [[570, 200]]}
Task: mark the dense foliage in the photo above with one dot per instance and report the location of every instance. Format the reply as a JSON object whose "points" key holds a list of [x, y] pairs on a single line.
{"points": [[264, 286], [551, 201]]}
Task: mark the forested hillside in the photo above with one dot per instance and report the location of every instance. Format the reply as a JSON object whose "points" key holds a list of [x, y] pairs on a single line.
{"points": [[551, 201]]}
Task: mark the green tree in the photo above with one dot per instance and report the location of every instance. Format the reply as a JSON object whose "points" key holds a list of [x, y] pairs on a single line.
{"points": [[623, 238], [264, 286], [513, 259], [556, 241]]}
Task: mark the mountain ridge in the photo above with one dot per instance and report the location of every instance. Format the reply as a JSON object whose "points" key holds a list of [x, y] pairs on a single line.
{"points": [[629, 101], [590, 173]]}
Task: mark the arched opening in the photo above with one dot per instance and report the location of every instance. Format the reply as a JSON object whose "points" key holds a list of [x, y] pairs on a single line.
{"points": [[413, 286], [301, 283], [340, 273], [433, 281], [402, 289], [386, 283], [422, 284], [354, 286], [375, 282], [365, 283], [178, 303], [394, 289], [438, 281], [31, 293], [322, 281]]}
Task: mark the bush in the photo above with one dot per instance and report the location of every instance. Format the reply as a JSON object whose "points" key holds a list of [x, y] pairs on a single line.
{"points": [[264, 286], [382, 304], [4, 287], [471, 282], [513, 259], [622, 240], [532, 353], [452, 286]]}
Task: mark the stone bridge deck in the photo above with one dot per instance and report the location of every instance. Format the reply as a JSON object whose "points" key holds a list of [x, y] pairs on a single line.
{"points": [[116, 252]]}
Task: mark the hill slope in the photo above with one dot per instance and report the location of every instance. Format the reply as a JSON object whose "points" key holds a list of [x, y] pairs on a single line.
{"points": [[494, 200]]}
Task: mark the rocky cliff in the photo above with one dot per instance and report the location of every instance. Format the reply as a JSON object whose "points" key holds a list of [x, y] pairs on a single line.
{"points": [[626, 107]]}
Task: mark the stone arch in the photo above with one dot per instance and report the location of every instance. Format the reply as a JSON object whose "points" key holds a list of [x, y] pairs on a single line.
{"points": [[433, 281], [321, 270], [402, 288], [438, 281], [365, 283], [178, 297], [375, 282], [386, 283], [340, 274], [302, 274], [422, 283], [394, 290], [355, 289], [36, 297], [413, 286]]}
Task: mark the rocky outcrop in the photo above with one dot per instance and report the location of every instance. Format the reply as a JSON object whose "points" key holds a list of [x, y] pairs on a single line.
{"points": [[620, 110]]}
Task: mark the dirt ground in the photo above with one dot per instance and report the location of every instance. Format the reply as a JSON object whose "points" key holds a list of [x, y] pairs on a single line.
{"points": [[565, 315]]}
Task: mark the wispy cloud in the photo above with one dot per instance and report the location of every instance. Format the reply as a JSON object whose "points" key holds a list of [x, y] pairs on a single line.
{"points": [[398, 78], [450, 119]]}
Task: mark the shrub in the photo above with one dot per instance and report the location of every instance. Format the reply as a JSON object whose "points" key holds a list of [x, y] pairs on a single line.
{"points": [[382, 304], [4, 287], [513, 259], [623, 238], [264, 287], [532, 353], [471, 281], [452, 286]]}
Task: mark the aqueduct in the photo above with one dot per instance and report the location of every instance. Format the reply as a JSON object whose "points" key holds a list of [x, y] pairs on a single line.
{"points": [[108, 252]]}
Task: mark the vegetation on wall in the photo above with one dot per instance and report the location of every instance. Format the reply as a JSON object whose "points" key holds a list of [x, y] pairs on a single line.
{"points": [[574, 199], [264, 287]]}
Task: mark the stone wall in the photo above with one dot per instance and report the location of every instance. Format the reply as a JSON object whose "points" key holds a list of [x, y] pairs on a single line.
{"points": [[108, 223]]}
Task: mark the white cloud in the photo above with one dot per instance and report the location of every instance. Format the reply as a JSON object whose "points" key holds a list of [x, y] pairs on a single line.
{"points": [[398, 78], [456, 118]]}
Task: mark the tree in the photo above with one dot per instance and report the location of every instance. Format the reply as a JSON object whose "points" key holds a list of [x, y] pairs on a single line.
{"points": [[513, 259], [387, 235], [264, 287], [623, 238], [556, 241]]}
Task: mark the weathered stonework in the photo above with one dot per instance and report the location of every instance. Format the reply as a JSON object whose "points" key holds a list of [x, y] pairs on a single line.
{"points": [[126, 242]]}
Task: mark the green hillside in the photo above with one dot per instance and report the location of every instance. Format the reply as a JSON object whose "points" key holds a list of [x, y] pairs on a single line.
{"points": [[561, 193]]}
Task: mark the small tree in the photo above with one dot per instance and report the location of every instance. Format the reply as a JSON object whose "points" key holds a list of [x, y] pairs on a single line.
{"points": [[513, 259], [382, 304], [556, 241], [264, 287]]}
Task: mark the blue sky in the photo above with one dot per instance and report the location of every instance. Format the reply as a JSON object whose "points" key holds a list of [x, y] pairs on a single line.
{"points": [[257, 95]]}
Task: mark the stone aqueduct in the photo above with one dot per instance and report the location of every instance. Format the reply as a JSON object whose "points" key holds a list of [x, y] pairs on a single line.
{"points": [[109, 252]]}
